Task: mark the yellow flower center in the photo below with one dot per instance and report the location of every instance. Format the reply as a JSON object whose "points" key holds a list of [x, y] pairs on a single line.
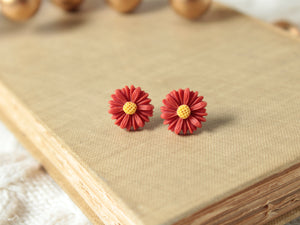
{"points": [[129, 108], [183, 111]]}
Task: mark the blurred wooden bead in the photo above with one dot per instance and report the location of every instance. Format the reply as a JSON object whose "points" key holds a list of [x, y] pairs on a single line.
{"points": [[291, 28], [191, 9], [68, 5], [19, 10], [124, 6]]}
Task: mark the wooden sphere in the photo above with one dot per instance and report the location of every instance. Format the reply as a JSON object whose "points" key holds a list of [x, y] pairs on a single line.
{"points": [[289, 27], [191, 9], [19, 10], [124, 6], [68, 5]]}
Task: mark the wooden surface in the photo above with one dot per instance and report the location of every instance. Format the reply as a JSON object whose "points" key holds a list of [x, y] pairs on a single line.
{"points": [[289, 218], [57, 80]]}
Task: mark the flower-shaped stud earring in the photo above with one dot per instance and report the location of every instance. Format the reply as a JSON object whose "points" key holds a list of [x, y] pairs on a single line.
{"points": [[183, 110], [130, 107]]}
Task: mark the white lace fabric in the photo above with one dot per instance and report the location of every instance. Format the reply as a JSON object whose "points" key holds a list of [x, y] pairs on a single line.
{"points": [[28, 195]]}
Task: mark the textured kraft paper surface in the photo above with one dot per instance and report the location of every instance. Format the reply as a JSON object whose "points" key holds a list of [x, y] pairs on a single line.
{"points": [[64, 69]]}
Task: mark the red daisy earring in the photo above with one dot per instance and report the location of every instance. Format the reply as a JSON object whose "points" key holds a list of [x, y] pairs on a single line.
{"points": [[183, 110], [130, 107]]}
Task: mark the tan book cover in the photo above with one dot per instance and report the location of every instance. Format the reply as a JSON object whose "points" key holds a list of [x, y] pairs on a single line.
{"points": [[243, 167]]}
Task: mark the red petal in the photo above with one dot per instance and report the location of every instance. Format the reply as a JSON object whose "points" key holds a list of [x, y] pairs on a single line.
{"points": [[178, 126], [186, 96], [125, 121], [114, 103], [197, 100], [202, 110], [193, 97], [184, 127], [120, 95], [133, 122], [146, 113], [169, 121], [172, 124], [199, 105], [200, 118], [194, 121], [190, 126], [115, 110], [197, 113], [117, 115], [166, 109], [174, 94], [144, 102], [126, 92], [143, 96], [169, 105], [135, 94], [118, 100], [120, 119], [138, 120], [181, 96], [132, 88], [145, 107], [129, 124], [167, 115], [143, 117], [172, 101]]}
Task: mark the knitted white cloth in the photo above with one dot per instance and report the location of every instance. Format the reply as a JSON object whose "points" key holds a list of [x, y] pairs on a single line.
{"points": [[28, 196]]}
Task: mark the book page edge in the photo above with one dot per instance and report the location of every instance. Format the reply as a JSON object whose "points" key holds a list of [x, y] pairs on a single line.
{"points": [[104, 202]]}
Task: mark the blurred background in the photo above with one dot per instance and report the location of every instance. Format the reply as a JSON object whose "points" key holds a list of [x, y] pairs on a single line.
{"points": [[27, 194], [268, 10]]}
